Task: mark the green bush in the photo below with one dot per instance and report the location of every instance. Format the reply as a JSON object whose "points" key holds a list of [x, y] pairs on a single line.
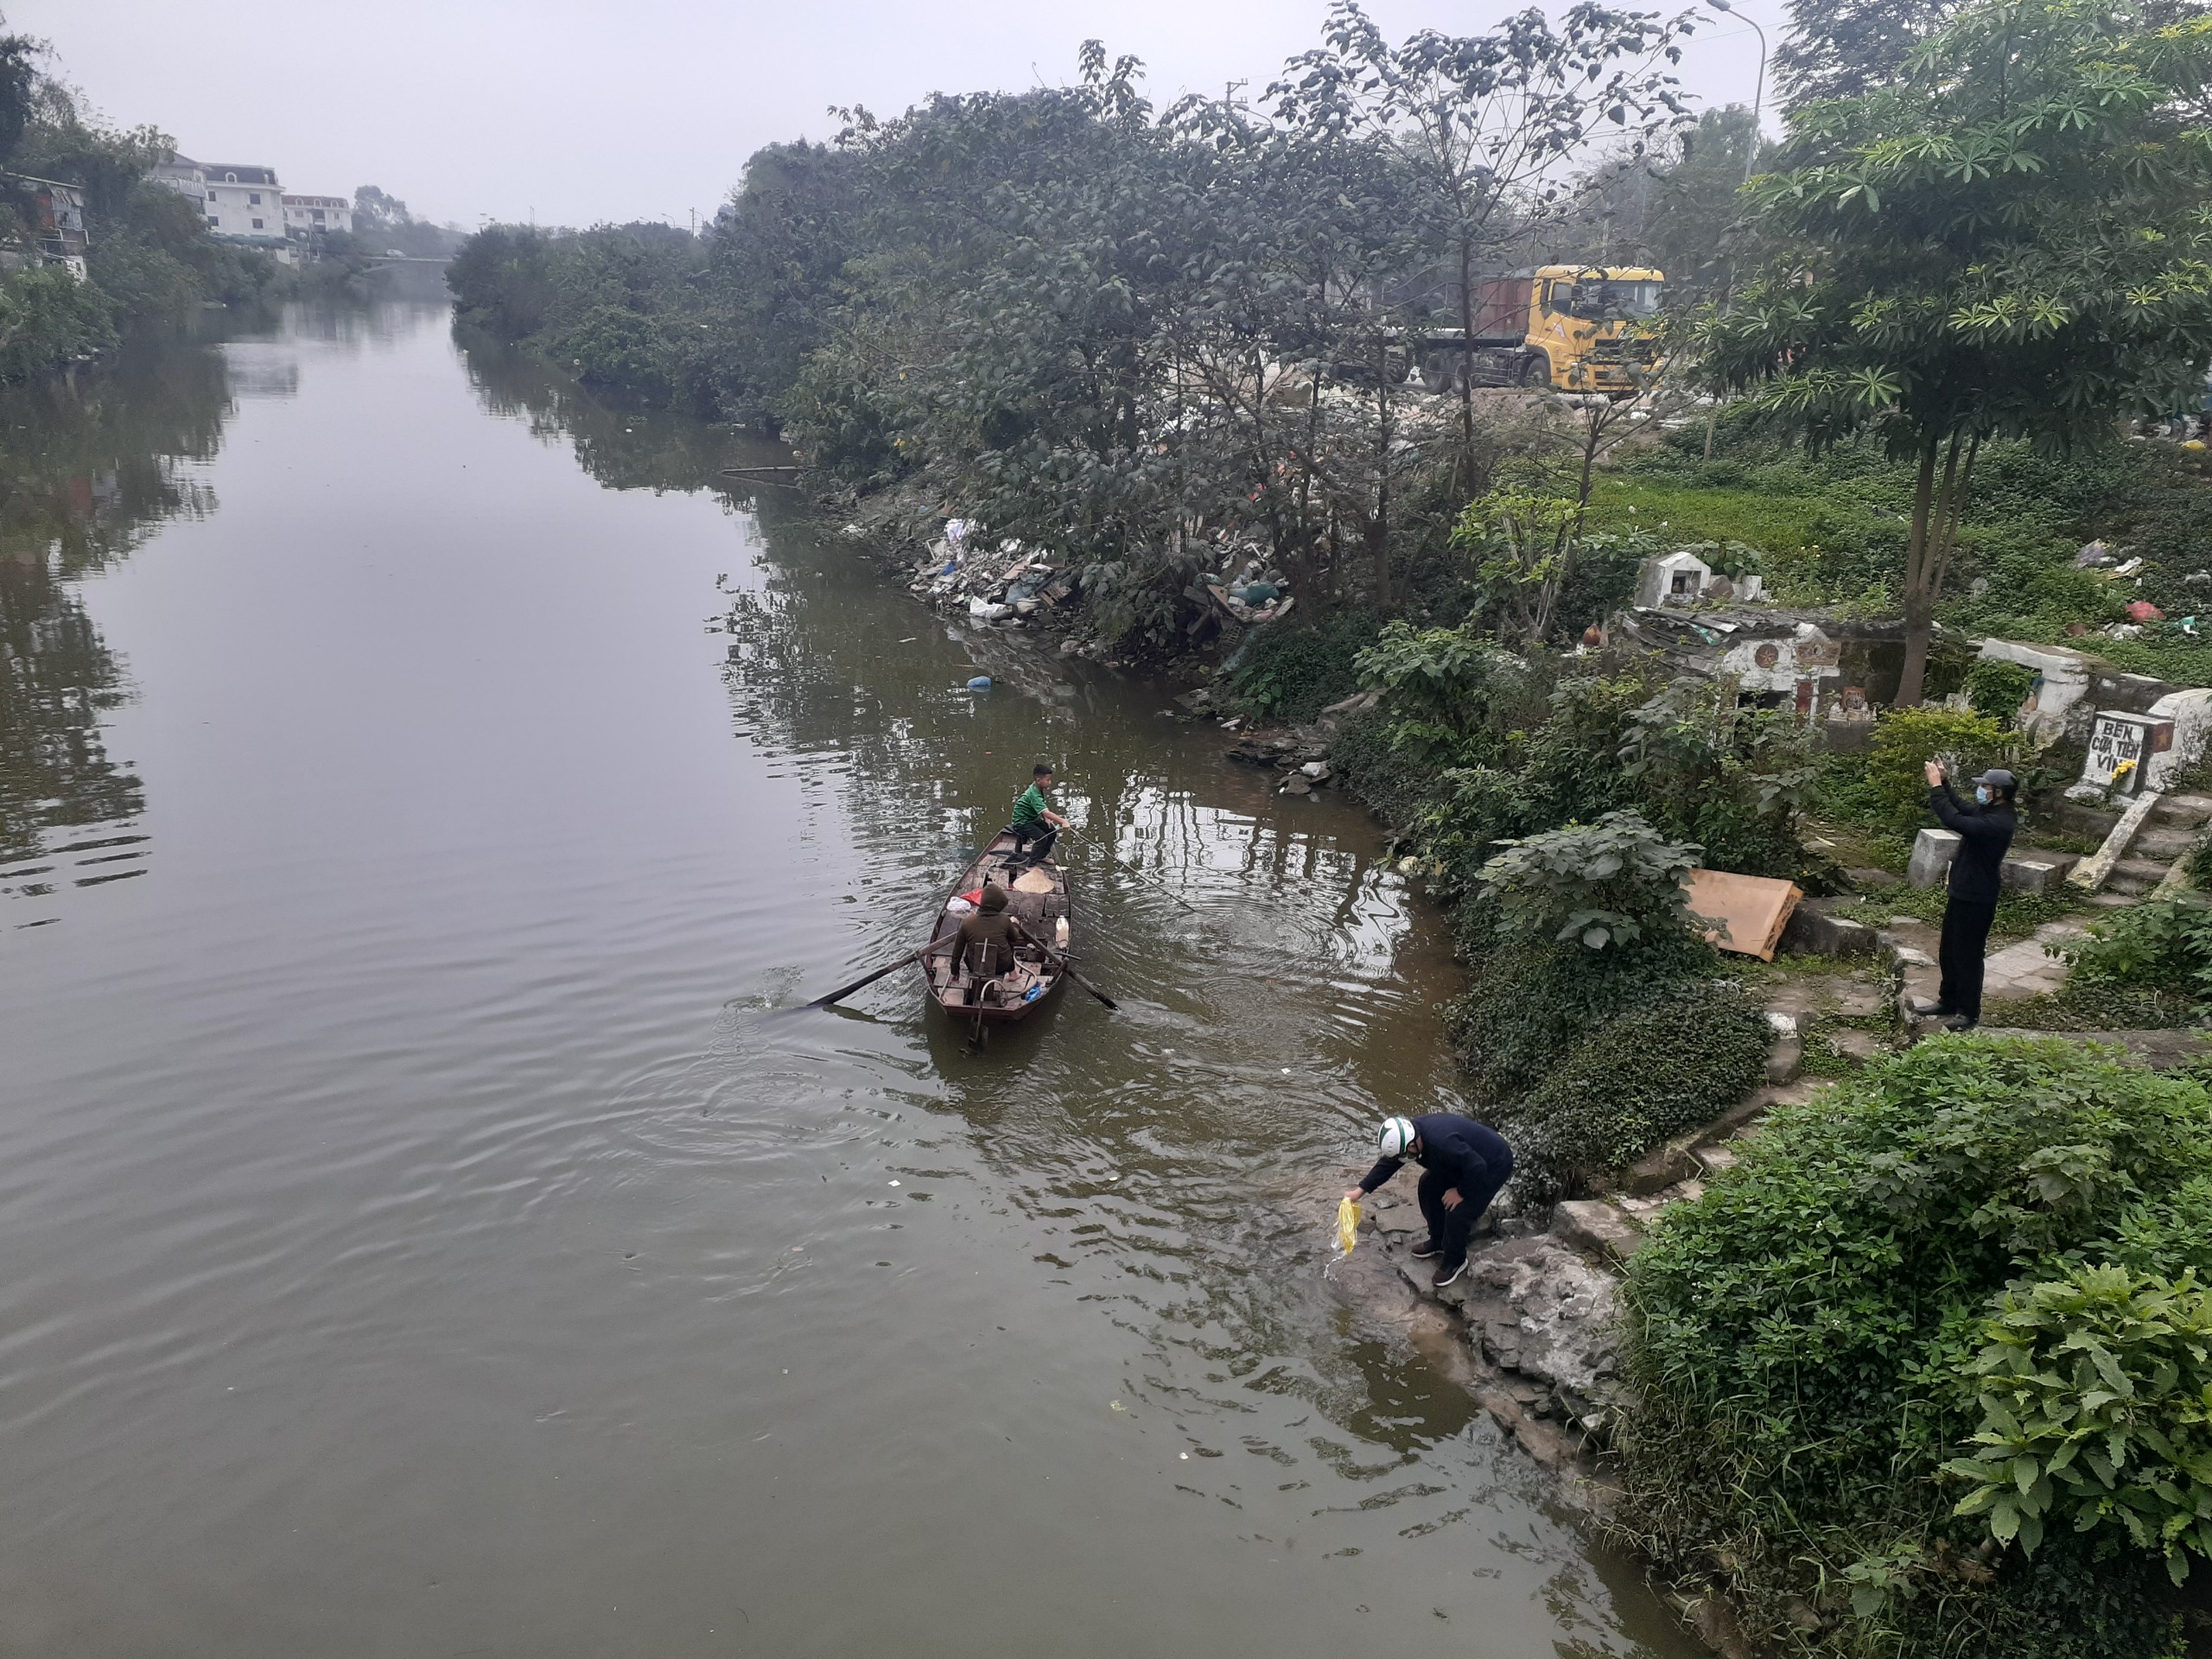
{"points": [[1998, 689], [1445, 688], [1294, 670], [2096, 1408], [1529, 1005], [1643, 1077], [1612, 884], [2164, 946], [1570, 930], [1805, 1339], [1905, 739]]}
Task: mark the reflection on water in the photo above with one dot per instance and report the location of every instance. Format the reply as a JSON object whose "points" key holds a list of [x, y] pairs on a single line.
{"points": [[430, 1230], [86, 473]]}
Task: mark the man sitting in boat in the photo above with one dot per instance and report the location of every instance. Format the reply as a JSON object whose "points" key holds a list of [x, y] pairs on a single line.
{"points": [[994, 930], [1035, 825]]}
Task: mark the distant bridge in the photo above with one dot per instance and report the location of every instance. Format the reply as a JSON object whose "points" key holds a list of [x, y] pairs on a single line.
{"points": [[398, 261]]}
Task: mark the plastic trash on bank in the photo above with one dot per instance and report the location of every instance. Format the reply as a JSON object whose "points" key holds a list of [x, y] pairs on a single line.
{"points": [[1347, 1226]]}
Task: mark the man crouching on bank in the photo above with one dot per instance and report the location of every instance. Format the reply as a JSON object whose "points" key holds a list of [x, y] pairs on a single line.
{"points": [[1463, 1165]]}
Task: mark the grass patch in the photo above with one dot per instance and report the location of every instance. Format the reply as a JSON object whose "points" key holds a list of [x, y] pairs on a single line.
{"points": [[1686, 511], [2083, 1006]]}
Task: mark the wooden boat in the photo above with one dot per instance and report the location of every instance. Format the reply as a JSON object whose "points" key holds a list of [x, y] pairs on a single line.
{"points": [[1036, 896]]}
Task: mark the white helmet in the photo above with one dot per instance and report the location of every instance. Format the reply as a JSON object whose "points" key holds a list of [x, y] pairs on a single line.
{"points": [[1396, 1135]]}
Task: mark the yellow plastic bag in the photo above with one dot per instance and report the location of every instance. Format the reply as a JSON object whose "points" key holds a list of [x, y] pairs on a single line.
{"points": [[1347, 1226]]}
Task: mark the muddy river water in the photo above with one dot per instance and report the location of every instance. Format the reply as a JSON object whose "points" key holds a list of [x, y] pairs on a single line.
{"points": [[420, 787]]}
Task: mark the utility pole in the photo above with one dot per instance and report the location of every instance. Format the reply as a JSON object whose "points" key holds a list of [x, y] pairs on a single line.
{"points": [[1759, 86]]}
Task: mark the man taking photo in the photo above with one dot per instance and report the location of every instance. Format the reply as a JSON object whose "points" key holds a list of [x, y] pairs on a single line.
{"points": [[1984, 827]]}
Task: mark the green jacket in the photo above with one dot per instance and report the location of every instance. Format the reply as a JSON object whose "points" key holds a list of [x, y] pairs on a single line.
{"points": [[1029, 808]]}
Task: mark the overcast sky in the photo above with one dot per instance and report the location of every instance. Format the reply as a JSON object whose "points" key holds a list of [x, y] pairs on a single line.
{"points": [[575, 113]]}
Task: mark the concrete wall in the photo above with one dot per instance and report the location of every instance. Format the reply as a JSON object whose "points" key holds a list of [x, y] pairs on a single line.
{"points": [[2066, 682], [2191, 714]]}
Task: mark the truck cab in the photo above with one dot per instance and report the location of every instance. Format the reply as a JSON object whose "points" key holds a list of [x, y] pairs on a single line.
{"points": [[1593, 325], [1571, 327]]}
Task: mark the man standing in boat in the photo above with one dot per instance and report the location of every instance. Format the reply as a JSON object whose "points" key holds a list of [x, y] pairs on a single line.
{"points": [[1035, 825], [1463, 1165]]}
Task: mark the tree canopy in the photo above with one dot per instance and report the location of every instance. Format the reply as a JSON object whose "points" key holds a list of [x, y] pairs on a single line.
{"points": [[2012, 241]]}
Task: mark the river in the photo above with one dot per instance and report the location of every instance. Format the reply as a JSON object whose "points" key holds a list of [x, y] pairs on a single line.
{"points": [[423, 792]]}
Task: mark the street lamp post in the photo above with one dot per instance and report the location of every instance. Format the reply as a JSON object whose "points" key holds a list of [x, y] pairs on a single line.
{"points": [[1759, 86]]}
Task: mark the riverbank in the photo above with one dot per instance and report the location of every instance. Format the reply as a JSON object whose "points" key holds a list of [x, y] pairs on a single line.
{"points": [[412, 1183]]}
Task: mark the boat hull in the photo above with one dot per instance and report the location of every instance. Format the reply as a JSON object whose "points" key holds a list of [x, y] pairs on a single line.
{"points": [[1039, 897]]}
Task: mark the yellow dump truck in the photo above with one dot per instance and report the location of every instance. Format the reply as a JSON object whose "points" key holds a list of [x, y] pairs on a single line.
{"points": [[1573, 327]]}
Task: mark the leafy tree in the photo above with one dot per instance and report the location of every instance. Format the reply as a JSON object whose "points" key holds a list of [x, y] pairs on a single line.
{"points": [[374, 210], [19, 83], [2012, 241], [1484, 125], [1846, 48]]}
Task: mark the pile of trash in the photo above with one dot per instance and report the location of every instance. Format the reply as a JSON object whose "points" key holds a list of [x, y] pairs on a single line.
{"points": [[1258, 593], [2142, 614], [1010, 584]]}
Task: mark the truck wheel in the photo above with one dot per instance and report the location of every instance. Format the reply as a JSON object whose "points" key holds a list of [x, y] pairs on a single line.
{"points": [[1435, 375], [1536, 370]]}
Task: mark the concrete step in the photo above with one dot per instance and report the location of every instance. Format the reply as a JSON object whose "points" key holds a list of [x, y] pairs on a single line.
{"points": [[2153, 870], [2183, 809], [2167, 843], [2113, 901]]}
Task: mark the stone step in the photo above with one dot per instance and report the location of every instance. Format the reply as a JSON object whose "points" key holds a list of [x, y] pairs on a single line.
{"points": [[2112, 900], [1597, 1227], [2128, 886], [2183, 808], [2158, 842], [2143, 869]]}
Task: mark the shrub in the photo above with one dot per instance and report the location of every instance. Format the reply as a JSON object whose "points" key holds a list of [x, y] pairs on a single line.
{"points": [[1733, 779], [2094, 1392], [2162, 946], [1570, 929], [1292, 672], [1609, 884], [1998, 689], [1804, 1341], [1903, 741], [1443, 685], [1650, 1073], [1529, 1005]]}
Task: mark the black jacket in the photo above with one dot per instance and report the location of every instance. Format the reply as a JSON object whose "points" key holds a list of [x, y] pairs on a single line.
{"points": [[1984, 834], [1467, 1154]]}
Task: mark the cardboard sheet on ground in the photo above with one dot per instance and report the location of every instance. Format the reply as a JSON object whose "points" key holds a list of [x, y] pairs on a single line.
{"points": [[1745, 913]]}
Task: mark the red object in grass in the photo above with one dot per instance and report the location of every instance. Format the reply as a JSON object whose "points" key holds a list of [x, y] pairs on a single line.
{"points": [[2143, 610]]}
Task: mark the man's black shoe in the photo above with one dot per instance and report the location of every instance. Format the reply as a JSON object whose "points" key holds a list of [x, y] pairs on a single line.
{"points": [[1445, 1275], [1930, 1010], [1960, 1022], [1427, 1251]]}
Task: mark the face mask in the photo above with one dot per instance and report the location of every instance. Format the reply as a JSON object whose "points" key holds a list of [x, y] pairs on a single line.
{"points": [[1982, 793]]}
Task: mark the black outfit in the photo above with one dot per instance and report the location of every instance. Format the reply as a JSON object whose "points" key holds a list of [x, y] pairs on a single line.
{"points": [[1033, 843], [1985, 836], [1457, 1152], [987, 941]]}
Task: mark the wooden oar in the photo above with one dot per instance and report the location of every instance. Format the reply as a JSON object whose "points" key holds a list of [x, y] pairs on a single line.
{"points": [[844, 991], [1062, 964]]}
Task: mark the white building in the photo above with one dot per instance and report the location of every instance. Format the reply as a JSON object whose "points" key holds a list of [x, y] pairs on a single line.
{"points": [[309, 216], [240, 202], [184, 176]]}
